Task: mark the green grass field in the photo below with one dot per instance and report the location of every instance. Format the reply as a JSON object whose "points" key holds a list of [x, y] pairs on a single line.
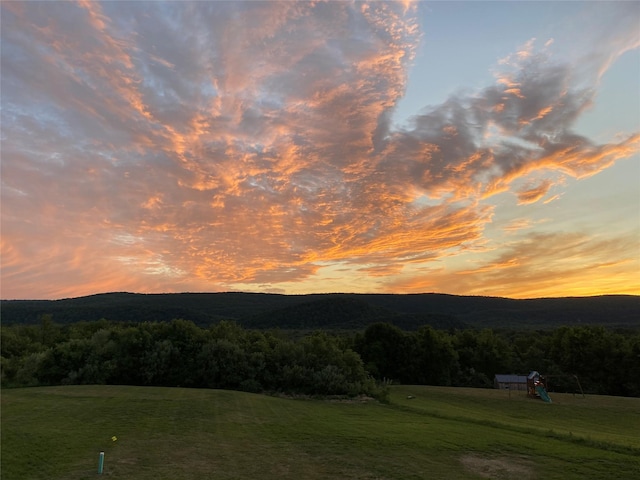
{"points": [[441, 433]]}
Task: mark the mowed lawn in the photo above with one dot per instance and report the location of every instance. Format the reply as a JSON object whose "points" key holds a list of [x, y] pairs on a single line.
{"points": [[439, 433]]}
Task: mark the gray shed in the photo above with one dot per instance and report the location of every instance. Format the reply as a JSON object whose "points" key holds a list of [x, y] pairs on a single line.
{"points": [[510, 382]]}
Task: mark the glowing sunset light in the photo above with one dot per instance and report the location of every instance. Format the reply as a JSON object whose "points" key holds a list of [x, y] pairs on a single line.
{"points": [[473, 148]]}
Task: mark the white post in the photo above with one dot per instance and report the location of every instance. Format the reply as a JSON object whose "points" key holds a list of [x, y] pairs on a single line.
{"points": [[101, 463]]}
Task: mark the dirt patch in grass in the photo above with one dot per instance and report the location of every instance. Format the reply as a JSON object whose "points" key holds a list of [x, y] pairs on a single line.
{"points": [[503, 468]]}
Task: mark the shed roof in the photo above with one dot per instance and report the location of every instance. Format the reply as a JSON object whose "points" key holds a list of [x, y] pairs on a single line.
{"points": [[511, 378]]}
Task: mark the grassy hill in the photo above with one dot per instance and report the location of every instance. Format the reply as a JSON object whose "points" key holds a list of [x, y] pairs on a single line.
{"points": [[333, 310], [439, 433]]}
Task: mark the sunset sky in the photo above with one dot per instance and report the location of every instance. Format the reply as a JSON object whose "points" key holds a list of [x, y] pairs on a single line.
{"points": [[473, 148]]}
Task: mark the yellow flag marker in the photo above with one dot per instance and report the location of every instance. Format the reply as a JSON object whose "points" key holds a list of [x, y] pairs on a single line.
{"points": [[114, 438]]}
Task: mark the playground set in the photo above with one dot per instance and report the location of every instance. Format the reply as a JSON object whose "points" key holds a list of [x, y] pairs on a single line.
{"points": [[537, 387]]}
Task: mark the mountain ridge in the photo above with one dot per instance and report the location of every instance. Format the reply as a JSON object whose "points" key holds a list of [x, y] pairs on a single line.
{"points": [[333, 310]]}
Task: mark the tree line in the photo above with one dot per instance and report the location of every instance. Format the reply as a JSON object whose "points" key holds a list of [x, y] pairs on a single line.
{"points": [[226, 355], [333, 311], [606, 362]]}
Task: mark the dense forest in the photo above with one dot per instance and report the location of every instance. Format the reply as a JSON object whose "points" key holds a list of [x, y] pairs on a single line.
{"points": [[227, 355], [333, 311]]}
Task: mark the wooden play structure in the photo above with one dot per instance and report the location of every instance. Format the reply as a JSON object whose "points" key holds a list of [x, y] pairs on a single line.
{"points": [[537, 387]]}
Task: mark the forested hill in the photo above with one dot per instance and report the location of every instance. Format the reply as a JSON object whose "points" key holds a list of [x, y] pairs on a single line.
{"points": [[332, 311]]}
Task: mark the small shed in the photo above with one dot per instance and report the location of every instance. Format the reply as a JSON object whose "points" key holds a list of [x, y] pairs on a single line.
{"points": [[510, 382]]}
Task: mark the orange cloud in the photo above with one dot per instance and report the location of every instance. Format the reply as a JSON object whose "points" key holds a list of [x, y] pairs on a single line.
{"points": [[531, 194], [545, 265], [517, 225], [204, 146]]}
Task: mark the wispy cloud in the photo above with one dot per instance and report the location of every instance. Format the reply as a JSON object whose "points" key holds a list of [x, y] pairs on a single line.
{"points": [[532, 193], [543, 264], [517, 225], [202, 145]]}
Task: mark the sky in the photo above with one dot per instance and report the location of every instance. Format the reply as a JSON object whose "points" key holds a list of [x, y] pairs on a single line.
{"points": [[469, 148]]}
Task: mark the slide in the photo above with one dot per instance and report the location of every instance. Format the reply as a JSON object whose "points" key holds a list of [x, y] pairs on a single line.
{"points": [[543, 394]]}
